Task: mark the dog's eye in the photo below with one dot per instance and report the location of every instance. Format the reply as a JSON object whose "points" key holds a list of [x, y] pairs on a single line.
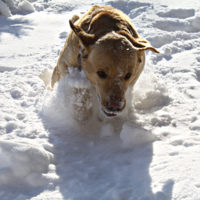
{"points": [[102, 74], [128, 75]]}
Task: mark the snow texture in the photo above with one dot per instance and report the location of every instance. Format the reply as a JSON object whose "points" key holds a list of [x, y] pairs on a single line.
{"points": [[4, 9], [150, 151], [9, 7]]}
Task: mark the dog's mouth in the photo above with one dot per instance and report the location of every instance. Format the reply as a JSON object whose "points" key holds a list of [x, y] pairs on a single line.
{"points": [[109, 114]]}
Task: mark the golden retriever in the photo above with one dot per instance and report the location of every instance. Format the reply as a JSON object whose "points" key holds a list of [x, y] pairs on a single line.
{"points": [[105, 44]]}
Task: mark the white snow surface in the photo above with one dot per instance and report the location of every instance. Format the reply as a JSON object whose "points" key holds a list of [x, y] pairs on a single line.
{"points": [[4, 9], [150, 152]]}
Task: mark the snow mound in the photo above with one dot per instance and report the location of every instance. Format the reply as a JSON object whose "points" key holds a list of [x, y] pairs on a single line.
{"points": [[4, 9], [26, 6], [133, 136], [150, 92], [23, 163]]}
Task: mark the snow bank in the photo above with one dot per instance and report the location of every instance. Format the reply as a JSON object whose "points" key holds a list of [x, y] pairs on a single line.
{"points": [[133, 136], [23, 163]]}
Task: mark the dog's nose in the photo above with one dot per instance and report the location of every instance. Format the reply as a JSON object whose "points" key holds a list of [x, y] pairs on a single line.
{"points": [[115, 105]]}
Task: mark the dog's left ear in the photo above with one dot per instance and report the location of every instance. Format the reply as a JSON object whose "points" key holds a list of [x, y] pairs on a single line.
{"points": [[140, 43], [86, 39]]}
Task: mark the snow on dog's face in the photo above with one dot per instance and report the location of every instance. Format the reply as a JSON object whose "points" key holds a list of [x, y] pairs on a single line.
{"points": [[112, 64]]}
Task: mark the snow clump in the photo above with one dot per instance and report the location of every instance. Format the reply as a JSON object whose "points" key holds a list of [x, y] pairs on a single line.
{"points": [[133, 136], [23, 163]]}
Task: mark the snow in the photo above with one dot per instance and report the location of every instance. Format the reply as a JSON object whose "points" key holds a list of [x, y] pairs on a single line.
{"points": [[133, 136], [107, 130], [150, 92], [151, 151], [26, 6], [4, 10], [24, 164]]}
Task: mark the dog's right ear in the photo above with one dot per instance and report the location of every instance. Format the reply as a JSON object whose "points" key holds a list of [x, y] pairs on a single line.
{"points": [[86, 39], [140, 43]]}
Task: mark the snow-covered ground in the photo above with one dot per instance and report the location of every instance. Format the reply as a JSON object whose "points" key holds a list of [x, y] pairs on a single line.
{"points": [[151, 153]]}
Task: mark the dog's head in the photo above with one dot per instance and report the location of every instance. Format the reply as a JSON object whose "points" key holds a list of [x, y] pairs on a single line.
{"points": [[112, 64]]}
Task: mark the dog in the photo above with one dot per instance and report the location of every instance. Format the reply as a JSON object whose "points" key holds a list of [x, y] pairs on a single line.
{"points": [[107, 47]]}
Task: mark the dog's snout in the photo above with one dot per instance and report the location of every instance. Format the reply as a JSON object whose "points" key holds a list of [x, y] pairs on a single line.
{"points": [[115, 105]]}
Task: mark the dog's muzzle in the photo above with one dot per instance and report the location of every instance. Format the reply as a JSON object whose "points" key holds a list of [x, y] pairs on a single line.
{"points": [[113, 108]]}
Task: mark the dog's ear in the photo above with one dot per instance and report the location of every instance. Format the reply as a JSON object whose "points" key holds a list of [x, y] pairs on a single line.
{"points": [[86, 39], [140, 43], [144, 45]]}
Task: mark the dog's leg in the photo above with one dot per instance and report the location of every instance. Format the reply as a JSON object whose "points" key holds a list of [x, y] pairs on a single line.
{"points": [[83, 110], [55, 76], [82, 104], [59, 72]]}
